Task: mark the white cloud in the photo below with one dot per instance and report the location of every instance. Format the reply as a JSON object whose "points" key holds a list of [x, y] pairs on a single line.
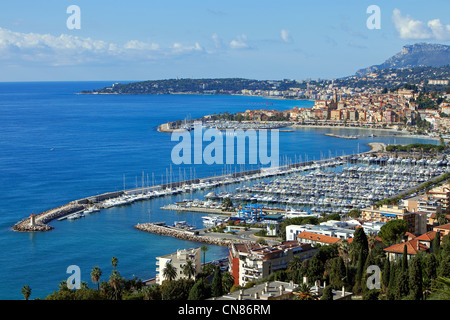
{"points": [[409, 28], [71, 50], [285, 35], [240, 42], [440, 31], [179, 48]]}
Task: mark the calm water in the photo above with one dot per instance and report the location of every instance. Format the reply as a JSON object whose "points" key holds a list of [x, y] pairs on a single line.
{"points": [[56, 146]]}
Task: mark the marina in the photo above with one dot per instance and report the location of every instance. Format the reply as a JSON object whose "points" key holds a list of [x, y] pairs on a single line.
{"points": [[315, 188]]}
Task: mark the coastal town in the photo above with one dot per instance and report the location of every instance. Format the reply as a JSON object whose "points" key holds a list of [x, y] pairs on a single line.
{"points": [[371, 225], [406, 109], [307, 230]]}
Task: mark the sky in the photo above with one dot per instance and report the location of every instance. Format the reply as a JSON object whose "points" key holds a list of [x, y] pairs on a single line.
{"points": [[138, 40]]}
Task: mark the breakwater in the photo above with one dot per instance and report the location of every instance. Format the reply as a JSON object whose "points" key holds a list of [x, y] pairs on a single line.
{"points": [[162, 229], [339, 136]]}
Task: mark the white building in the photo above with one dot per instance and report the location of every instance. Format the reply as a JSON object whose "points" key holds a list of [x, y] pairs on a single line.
{"points": [[178, 260], [333, 228]]}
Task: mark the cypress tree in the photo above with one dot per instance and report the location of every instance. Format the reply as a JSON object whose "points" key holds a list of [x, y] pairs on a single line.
{"points": [[405, 259], [401, 289], [437, 245], [216, 285], [357, 288], [386, 274], [360, 242], [415, 279], [432, 265], [392, 276]]}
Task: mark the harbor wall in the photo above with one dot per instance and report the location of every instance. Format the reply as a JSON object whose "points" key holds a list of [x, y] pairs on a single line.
{"points": [[182, 234]]}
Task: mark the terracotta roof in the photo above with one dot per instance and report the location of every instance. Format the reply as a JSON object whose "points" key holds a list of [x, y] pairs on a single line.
{"points": [[444, 226], [398, 248], [429, 236], [318, 237]]}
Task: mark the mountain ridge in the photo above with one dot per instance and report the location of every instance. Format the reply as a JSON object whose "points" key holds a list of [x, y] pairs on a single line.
{"points": [[415, 55]]}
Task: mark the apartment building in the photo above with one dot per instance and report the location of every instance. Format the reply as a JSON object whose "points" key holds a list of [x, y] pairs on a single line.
{"points": [[250, 262], [385, 213], [178, 260]]}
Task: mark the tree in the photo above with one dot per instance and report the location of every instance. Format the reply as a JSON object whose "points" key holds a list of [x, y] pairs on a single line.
{"points": [[337, 273], [357, 288], [354, 213], [315, 268], [26, 291], [371, 294], [204, 248], [304, 291], [114, 262], [437, 244], [393, 231], [327, 293], [360, 243], [445, 247], [401, 289], [431, 266], [216, 285], [444, 282], [189, 269], [344, 250], [115, 280], [415, 279], [177, 289], [227, 281], [96, 273], [386, 274], [405, 258], [170, 272], [200, 290]]}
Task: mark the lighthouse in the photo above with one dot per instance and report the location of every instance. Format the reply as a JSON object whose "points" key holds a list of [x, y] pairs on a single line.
{"points": [[32, 220]]}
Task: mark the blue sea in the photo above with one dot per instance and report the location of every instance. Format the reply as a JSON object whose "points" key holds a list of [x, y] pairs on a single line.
{"points": [[57, 146]]}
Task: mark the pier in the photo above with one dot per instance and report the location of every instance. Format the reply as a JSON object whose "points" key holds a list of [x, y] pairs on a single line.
{"points": [[39, 222]]}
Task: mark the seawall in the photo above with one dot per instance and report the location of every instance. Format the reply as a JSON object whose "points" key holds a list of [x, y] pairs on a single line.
{"points": [[185, 235]]}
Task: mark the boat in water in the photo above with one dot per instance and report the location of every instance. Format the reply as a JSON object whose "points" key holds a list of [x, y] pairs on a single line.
{"points": [[183, 225], [212, 221], [76, 216], [91, 210]]}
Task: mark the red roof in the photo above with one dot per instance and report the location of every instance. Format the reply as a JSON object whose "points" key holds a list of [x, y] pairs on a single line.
{"points": [[429, 236], [318, 237]]}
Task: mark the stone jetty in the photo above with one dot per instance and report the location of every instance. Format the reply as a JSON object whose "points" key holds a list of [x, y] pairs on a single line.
{"points": [[39, 221], [185, 235]]}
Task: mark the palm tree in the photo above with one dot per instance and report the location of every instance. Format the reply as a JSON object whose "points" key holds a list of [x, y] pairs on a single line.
{"points": [[304, 291], [227, 281], [170, 272], [189, 269], [96, 273], [344, 251], [372, 241], [114, 262], [204, 248], [446, 284], [63, 286], [114, 281], [26, 291]]}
